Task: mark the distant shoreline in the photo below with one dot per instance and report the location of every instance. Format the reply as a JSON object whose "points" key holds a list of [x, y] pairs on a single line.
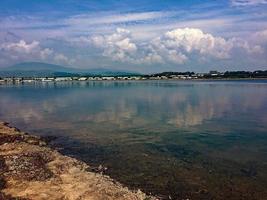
{"points": [[229, 79], [3, 82]]}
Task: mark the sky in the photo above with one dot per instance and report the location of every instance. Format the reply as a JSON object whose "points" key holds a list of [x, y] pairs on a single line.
{"points": [[142, 35]]}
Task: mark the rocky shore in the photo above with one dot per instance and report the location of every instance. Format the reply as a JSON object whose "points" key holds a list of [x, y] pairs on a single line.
{"points": [[29, 169]]}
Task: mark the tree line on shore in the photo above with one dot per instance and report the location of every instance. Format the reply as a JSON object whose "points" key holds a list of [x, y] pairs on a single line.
{"points": [[216, 74]]}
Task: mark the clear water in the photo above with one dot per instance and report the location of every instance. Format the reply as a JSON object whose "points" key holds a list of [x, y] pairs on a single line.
{"points": [[178, 139]]}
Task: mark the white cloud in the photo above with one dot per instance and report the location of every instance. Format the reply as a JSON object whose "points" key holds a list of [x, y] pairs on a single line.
{"points": [[178, 44], [247, 2], [175, 47], [181, 46], [21, 47], [118, 46], [62, 59], [195, 41], [152, 58], [260, 37], [250, 49], [45, 53], [24, 50], [12, 52]]}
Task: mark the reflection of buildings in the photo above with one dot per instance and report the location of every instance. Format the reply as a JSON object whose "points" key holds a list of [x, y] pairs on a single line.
{"points": [[60, 79]]}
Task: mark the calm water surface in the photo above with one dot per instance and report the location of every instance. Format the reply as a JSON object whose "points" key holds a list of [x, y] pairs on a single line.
{"points": [[178, 139]]}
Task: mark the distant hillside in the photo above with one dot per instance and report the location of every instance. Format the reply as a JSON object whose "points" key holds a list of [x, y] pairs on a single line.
{"points": [[38, 69], [109, 72], [36, 66]]}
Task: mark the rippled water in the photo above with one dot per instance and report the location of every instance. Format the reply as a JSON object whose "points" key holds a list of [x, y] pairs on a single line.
{"points": [[183, 139]]}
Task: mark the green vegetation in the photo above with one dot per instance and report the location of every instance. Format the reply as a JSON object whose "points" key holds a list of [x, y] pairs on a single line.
{"points": [[212, 75]]}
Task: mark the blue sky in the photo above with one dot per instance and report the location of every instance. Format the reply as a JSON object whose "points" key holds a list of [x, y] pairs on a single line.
{"points": [[145, 36]]}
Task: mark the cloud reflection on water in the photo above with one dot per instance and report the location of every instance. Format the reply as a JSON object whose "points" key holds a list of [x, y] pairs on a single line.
{"points": [[132, 105]]}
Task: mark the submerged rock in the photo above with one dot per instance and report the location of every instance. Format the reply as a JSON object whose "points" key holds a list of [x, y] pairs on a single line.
{"points": [[31, 170]]}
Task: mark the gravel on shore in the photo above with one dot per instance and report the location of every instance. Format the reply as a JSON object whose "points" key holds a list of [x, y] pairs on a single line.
{"points": [[29, 169]]}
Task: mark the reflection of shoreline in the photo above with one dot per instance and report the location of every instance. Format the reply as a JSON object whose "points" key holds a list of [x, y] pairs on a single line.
{"points": [[122, 82], [138, 105]]}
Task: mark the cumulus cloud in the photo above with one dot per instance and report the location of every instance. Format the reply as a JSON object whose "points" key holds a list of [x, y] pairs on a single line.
{"points": [[45, 53], [176, 46], [12, 52], [23, 50], [179, 46], [62, 59], [260, 37], [21, 47], [190, 41], [118, 46]]}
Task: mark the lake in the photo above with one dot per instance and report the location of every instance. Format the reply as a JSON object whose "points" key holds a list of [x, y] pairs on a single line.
{"points": [[173, 139]]}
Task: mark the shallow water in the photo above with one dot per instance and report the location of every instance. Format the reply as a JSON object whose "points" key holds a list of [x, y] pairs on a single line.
{"points": [[178, 139]]}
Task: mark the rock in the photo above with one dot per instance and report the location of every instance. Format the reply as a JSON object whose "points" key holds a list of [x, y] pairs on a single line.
{"points": [[31, 170]]}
